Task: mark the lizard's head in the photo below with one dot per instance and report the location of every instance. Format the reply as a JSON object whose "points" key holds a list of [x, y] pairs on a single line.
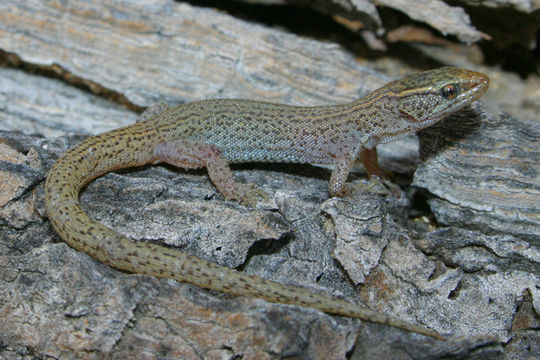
{"points": [[429, 96]]}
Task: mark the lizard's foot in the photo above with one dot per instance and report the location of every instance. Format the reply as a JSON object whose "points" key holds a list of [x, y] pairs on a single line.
{"points": [[247, 195], [389, 187], [377, 185]]}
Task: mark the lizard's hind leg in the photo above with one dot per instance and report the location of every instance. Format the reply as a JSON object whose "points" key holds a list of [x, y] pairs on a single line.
{"points": [[191, 154]]}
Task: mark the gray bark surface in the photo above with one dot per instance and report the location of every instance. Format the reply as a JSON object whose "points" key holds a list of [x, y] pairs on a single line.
{"points": [[474, 277]]}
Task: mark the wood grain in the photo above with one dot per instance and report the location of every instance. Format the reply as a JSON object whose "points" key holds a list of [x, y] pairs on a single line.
{"points": [[172, 52], [484, 172]]}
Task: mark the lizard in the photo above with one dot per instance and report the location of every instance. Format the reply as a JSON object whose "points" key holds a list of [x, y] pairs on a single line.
{"points": [[215, 133]]}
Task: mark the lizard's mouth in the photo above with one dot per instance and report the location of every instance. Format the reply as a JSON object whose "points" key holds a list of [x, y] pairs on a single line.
{"points": [[478, 84], [473, 85]]}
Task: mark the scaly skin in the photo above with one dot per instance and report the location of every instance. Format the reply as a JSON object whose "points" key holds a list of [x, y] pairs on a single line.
{"points": [[214, 133]]}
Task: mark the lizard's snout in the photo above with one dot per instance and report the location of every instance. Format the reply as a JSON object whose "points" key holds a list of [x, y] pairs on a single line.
{"points": [[479, 81]]}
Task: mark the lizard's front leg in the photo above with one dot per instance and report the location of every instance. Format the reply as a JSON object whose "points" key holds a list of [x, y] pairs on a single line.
{"points": [[342, 167], [369, 159], [338, 186], [376, 174], [190, 154]]}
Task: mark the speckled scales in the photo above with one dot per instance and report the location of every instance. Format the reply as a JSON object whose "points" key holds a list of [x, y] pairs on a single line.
{"points": [[214, 133]]}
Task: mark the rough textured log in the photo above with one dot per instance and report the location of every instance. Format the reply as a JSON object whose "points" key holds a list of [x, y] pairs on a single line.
{"points": [[449, 20], [526, 6], [484, 172], [162, 51], [509, 23], [60, 303], [37, 105]]}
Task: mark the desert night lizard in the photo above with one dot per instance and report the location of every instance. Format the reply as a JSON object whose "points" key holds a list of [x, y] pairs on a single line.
{"points": [[216, 133]]}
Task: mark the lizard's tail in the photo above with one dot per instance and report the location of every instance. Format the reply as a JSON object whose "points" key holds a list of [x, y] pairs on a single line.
{"points": [[89, 160]]}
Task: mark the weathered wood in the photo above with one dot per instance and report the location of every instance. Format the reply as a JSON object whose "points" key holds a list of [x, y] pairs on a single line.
{"points": [[59, 302], [526, 6], [62, 303], [485, 173], [36, 105], [509, 23], [449, 20], [171, 52]]}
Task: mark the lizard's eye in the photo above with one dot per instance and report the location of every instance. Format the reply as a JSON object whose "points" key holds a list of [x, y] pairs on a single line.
{"points": [[450, 91]]}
